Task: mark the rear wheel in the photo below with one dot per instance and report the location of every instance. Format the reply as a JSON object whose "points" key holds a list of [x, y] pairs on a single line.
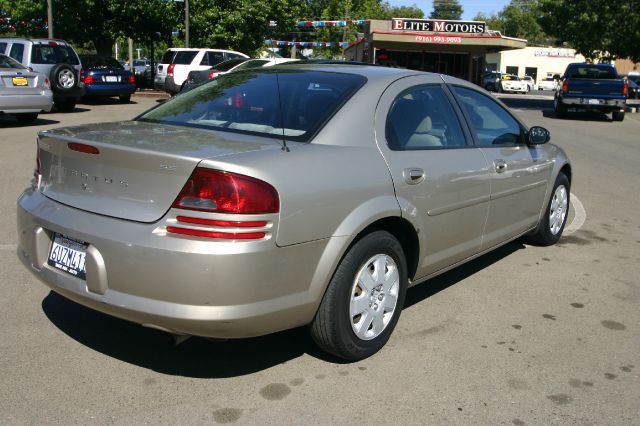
{"points": [[63, 77], [552, 224], [559, 108], [364, 299], [125, 99], [617, 115], [27, 117]]}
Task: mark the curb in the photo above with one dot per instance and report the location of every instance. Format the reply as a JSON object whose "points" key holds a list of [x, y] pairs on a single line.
{"points": [[151, 94]]}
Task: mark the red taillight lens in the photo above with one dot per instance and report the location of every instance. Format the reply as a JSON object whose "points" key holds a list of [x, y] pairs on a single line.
{"points": [[212, 74], [625, 89], [132, 79], [81, 147], [47, 84], [565, 86], [88, 79], [170, 69], [221, 192], [222, 223], [216, 234]]}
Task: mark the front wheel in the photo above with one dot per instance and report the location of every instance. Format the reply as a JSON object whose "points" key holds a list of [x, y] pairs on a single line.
{"points": [[364, 299], [559, 108], [552, 224], [125, 99]]}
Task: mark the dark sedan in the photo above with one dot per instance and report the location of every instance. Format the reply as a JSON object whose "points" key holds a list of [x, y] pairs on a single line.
{"points": [[103, 76]]}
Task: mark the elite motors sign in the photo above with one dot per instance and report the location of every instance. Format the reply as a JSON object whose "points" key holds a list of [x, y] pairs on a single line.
{"points": [[435, 25]]}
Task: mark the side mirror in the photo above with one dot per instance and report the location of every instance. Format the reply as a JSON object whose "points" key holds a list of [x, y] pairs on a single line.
{"points": [[538, 135]]}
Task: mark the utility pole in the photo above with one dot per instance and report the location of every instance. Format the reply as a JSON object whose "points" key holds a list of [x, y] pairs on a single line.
{"points": [[186, 23], [50, 18]]}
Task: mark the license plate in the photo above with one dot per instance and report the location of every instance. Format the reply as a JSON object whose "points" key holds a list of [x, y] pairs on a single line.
{"points": [[111, 78], [593, 101], [68, 255], [19, 81]]}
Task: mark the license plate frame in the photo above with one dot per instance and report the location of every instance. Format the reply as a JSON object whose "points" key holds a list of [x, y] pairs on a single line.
{"points": [[593, 101], [111, 78], [20, 81], [68, 255]]}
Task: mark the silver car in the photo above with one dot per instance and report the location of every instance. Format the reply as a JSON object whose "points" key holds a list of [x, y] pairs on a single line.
{"points": [[280, 197], [23, 93]]}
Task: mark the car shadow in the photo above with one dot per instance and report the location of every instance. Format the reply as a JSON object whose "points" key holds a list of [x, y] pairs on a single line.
{"points": [[205, 358], [578, 116], [105, 101], [534, 104], [8, 121]]}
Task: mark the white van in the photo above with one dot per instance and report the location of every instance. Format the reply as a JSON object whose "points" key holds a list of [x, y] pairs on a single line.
{"points": [[176, 63]]}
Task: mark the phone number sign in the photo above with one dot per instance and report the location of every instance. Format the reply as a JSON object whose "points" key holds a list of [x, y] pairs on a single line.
{"points": [[438, 39]]}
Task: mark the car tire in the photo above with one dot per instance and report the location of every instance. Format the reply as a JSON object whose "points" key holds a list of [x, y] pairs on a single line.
{"points": [[125, 99], [63, 78], [362, 303], [65, 105], [26, 117], [552, 224], [559, 109], [617, 116]]}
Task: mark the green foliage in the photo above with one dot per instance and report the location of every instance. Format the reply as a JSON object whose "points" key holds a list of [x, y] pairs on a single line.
{"points": [[518, 19], [446, 9], [493, 21], [597, 29]]}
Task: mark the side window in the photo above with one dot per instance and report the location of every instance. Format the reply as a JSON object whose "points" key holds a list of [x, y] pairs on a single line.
{"points": [[422, 118], [233, 56], [492, 124], [16, 52], [3, 47], [212, 58]]}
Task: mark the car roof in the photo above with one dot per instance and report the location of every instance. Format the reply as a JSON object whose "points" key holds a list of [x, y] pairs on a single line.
{"points": [[36, 40]]}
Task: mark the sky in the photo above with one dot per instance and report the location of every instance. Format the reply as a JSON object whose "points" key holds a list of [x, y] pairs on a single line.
{"points": [[470, 8]]}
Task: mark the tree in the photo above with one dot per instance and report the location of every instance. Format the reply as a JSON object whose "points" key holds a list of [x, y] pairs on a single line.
{"points": [[597, 29], [520, 20], [446, 9], [493, 21]]}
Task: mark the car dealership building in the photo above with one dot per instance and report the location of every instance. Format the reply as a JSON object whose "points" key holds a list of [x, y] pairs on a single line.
{"points": [[457, 48]]}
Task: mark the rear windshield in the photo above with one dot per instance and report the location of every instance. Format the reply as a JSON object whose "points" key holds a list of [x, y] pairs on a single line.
{"points": [[10, 63], [248, 102], [167, 57], [184, 57], [53, 54], [592, 71], [100, 63], [253, 63]]}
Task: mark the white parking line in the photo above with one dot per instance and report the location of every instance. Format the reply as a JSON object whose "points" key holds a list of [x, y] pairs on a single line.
{"points": [[579, 217]]}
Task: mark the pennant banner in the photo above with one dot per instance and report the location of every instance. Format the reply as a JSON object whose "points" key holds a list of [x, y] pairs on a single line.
{"points": [[309, 43], [331, 23]]}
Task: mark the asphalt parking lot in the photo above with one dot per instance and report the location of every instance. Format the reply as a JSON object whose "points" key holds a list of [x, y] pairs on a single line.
{"points": [[522, 336]]}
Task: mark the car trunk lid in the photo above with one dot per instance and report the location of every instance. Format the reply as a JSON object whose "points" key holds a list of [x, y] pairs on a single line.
{"points": [[14, 82], [129, 170], [592, 87]]}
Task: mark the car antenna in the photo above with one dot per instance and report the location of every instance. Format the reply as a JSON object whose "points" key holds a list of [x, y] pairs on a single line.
{"points": [[285, 148]]}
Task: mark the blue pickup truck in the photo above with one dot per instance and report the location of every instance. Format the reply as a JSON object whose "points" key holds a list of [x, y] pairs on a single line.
{"points": [[591, 87]]}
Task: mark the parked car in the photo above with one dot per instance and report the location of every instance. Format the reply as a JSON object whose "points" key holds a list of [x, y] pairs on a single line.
{"points": [[55, 59], [529, 80], [491, 81], [591, 87], [548, 83], [103, 76], [263, 201], [177, 62], [512, 83], [195, 78], [634, 90], [23, 93]]}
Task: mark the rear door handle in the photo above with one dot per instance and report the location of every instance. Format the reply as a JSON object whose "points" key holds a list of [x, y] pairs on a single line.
{"points": [[413, 175], [501, 166]]}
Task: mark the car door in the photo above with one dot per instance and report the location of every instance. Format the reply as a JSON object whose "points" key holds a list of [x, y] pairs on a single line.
{"points": [[441, 180], [519, 173]]}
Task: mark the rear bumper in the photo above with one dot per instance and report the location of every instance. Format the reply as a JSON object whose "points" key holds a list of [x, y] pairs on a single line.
{"points": [[109, 89], [16, 104], [594, 103], [179, 284]]}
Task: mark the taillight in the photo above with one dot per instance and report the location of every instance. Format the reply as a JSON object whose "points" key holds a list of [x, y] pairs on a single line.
{"points": [[170, 69], [625, 89], [82, 147], [86, 78], [212, 74], [132, 79], [47, 84], [565, 86], [215, 191]]}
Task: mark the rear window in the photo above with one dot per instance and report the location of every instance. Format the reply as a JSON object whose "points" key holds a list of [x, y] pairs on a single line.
{"points": [[248, 102], [53, 54], [592, 71], [100, 63], [167, 57], [184, 57], [10, 63], [227, 65]]}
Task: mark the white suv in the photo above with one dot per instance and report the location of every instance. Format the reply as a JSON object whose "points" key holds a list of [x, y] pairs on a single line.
{"points": [[176, 63]]}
